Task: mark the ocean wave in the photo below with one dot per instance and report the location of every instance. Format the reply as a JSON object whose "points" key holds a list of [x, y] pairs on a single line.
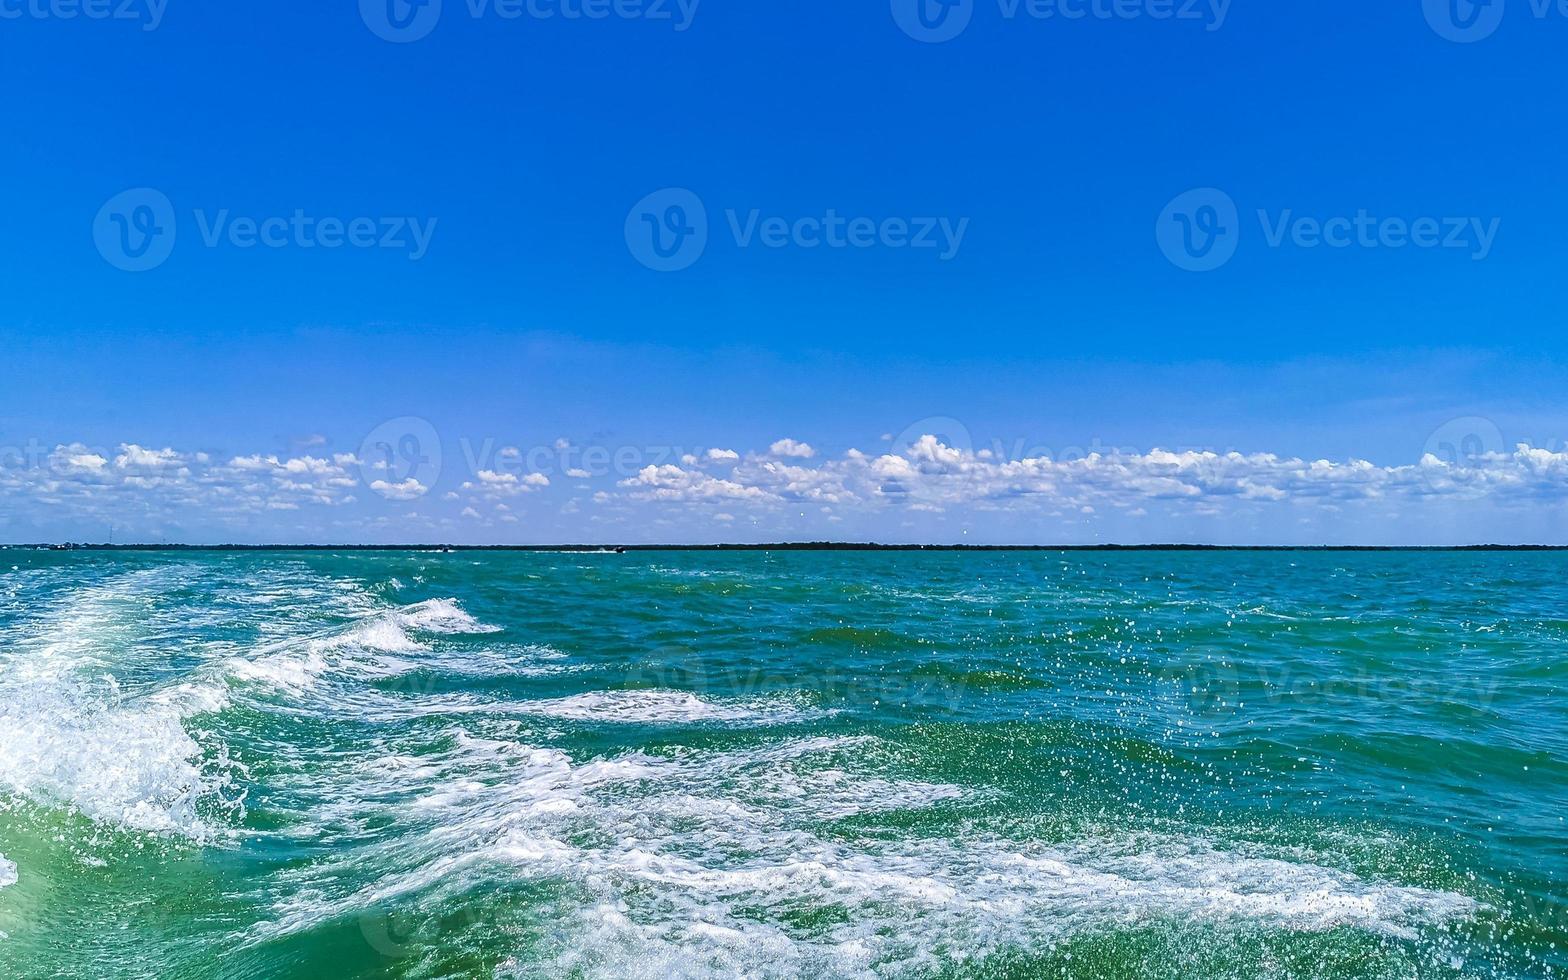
{"points": [[7, 872], [692, 861], [663, 707], [130, 763], [634, 707], [380, 645], [441, 616], [71, 736], [914, 905]]}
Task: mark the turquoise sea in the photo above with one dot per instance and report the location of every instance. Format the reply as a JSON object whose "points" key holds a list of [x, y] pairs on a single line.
{"points": [[801, 764]]}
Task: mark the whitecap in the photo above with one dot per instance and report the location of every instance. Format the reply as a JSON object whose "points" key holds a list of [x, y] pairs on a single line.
{"points": [[662, 707], [442, 616], [379, 645], [683, 856], [70, 736], [125, 762], [910, 905]]}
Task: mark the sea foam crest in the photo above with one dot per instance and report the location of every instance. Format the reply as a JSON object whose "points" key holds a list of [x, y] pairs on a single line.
{"points": [[663, 707], [682, 851], [369, 648], [441, 616], [910, 906], [125, 762], [70, 736]]}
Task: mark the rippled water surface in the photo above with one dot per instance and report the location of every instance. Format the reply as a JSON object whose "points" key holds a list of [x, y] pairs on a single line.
{"points": [[780, 765]]}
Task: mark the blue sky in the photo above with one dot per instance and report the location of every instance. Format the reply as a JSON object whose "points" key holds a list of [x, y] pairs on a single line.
{"points": [[504, 165]]}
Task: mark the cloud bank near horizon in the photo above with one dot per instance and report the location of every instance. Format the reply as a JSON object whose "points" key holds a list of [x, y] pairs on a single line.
{"points": [[398, 490]]}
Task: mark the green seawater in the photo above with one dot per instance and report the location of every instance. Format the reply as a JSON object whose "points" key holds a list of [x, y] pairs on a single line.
{"points": [[1283, 764]]}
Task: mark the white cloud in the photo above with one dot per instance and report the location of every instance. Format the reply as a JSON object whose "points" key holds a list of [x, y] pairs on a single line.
{"points": [[493, 484], [133, 456], [792, 449], [409, 489], [674, 483], [937, 476], [98, 486], [78, 457]]}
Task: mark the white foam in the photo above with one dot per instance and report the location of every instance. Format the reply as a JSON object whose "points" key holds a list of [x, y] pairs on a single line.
{"points": [[7, 872], [384, 634], [500, 661], [380, 645], [661, 707], [442, 616], [124, 762], [913, 905], [70, 736], [692, 862]]}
